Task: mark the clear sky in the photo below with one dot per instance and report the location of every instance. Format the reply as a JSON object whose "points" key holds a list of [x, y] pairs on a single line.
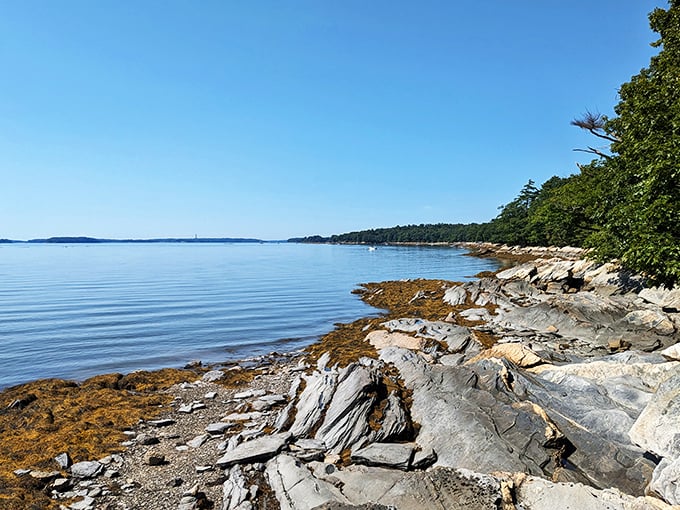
{"points": [[274, 119]]}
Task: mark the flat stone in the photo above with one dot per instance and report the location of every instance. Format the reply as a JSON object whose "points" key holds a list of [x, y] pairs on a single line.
{"points": [[517, 353], [249, 394], [210, 395], [219, 427], [476, 314], [257, 450], [84, 504], [296, 488], [520, 272], [539, 494], [86, 469], [166, 422], [44, 475], [253, 415], [668, 300], [273, 399], [382, 339], [392, 455]]}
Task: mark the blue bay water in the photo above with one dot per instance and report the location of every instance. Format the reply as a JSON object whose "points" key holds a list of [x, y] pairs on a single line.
{"points": [[73, 311]]}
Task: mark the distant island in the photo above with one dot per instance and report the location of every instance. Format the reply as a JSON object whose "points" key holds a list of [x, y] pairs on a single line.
{"points": [[93, 240]]}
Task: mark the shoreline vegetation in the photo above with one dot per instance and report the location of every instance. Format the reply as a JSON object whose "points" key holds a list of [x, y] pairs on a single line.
{"points": [[531, 386]]}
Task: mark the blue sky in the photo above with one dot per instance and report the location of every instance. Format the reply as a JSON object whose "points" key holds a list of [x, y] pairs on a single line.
{"points": [[275, 119]]}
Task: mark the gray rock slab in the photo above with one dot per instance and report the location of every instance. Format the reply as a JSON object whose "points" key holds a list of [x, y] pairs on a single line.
{"points": [[319, 389], [346, 420], [392, 455], [520, 272], [539, 494], [448, 404], [296, 488], [252, 415], [489, 416], [257, 450], [436, 489], [84, 504]]}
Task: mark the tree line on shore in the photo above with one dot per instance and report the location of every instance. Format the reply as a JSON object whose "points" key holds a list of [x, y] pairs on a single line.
{"points": [[625, 204]]}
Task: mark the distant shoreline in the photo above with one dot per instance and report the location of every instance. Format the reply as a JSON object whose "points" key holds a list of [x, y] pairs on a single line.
{"points": [[95, 240]]}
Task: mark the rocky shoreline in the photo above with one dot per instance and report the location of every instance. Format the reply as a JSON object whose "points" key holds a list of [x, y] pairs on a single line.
{"points": [[554, 383]]}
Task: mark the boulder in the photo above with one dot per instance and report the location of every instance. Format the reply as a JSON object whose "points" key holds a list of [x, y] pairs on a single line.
{"points": [[491, 416]]}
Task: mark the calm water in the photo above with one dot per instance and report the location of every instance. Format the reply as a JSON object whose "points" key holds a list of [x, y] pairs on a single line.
{"points": [[73, 311]]}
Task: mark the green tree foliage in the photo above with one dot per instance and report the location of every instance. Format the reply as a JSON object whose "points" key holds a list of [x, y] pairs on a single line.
{"points": [[643, 226]]}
